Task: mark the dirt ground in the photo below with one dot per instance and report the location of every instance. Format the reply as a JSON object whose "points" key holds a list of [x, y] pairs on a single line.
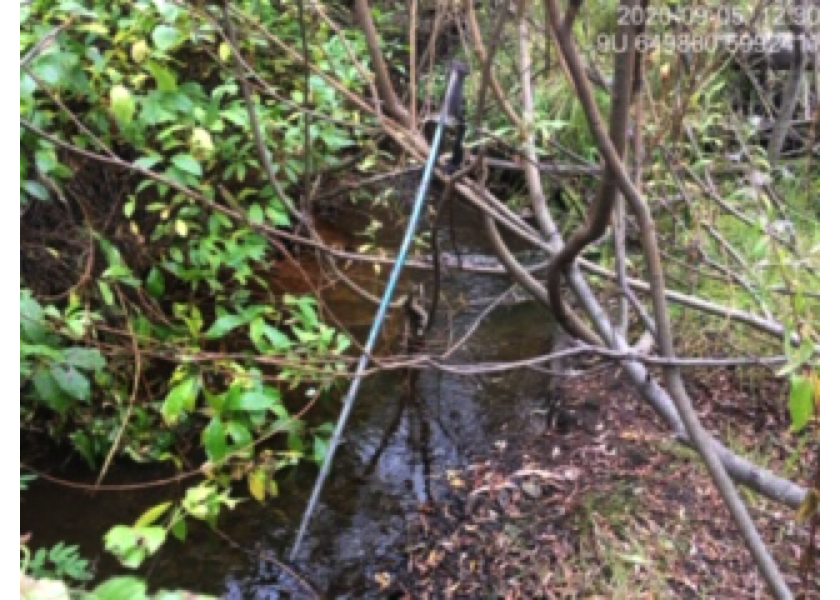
{"points": [[605, 504]]}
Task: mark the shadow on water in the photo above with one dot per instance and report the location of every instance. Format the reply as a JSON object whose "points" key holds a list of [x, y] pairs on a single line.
{"points": [[397, 449]]}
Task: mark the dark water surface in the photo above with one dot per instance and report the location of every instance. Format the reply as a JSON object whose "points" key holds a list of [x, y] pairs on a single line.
{"points": [[396, 451]]}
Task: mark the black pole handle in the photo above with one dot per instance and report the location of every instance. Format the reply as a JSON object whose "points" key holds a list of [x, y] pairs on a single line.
{"points": [[459, 71], [455, 110]]}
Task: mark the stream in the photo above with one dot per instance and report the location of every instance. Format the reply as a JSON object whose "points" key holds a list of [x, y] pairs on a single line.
{"points": [[396, 451]]}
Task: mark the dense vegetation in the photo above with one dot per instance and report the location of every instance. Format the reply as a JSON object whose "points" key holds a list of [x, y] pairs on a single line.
{"points": [[172, 152]]}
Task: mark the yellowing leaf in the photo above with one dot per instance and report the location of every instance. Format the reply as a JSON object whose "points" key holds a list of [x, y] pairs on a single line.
{"points": [[256, 485], [454, 479], [810, 506], [139, 51], [97, 28], [383, 579], [152, 515], [224, 51], [122, 104], [201, 143], [181, 228]]}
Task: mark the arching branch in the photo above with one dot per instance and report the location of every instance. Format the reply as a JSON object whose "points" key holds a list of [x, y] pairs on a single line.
{"points": [[600, 212], [395, 108]]}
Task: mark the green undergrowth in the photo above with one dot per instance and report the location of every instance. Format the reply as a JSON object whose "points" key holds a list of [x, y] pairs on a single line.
{"points": [[150, 331]]}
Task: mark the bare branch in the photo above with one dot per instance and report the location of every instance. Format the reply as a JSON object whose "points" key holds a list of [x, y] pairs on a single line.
{"points": [[600, 212], [700, 439], [383, 80]]}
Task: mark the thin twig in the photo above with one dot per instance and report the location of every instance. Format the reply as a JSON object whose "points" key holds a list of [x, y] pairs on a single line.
{"points": [[44, 43], [134, 387]]}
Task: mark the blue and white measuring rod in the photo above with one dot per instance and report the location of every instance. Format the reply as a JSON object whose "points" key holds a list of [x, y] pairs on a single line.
{"points": [[451, 105]]}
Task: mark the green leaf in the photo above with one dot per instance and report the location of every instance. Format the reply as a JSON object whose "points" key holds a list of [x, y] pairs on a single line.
{"points": [[223, 326], [152, 515], [256, 330], [239, 433], [164, 78], [122, 104], [278, 217], [801, 402], [49, 69], [343, 343], [107, 294], [169, 11], [278, 339], [305, 336], [30, 351], [282, 415], [255, 214], [122, 542], [152, 537], [252, 401], [165, 37], [35, 189], [89, 359], [85, 447], [155, 282], [147, 162], [71, 381], [179, 529], [215, 440], [319, 450], [132, 545], [49, 392], [120, 537], [180, 398], [32, 323], [187, 163], [120, 588], [310, 317], [96, 28]]}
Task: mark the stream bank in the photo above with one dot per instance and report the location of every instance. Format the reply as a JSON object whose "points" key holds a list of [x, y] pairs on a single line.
{"points": [[389, 466], [461, 490]]}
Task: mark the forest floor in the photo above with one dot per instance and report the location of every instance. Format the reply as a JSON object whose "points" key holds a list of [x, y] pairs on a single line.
{"points": [[612, 506]]}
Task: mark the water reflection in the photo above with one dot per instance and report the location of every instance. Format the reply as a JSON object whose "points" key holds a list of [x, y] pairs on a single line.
{"points": [[400, 441]]}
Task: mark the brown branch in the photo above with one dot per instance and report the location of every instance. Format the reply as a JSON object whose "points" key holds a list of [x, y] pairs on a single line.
{"points": [[599, 214], [535, 190], [486, 58], [521, 275], [480, 198], [531, 164], [392, 102], [127, 487]]}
